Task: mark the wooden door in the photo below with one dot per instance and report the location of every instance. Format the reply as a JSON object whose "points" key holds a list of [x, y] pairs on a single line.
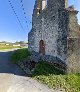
{"points": [[42, 47]]}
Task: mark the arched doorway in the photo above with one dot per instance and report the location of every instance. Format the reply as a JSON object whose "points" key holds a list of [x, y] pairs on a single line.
{"points": [[42, 47]]}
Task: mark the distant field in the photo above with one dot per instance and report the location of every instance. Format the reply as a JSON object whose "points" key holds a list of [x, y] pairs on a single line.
{"points": [[4, 47]]}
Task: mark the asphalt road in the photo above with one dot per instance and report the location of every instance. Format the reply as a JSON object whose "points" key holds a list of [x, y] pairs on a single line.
{"points": [[13, 79]]}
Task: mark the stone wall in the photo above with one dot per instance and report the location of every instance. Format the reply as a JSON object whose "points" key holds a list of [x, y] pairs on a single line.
{"points": [[48, 28], [73, 42], [57, 62], [62, 34], [31, 40], [73, 25], [73, 56]]}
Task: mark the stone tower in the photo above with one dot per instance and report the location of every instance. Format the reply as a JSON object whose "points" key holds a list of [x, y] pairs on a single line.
{"points": [[55, 35], [48, 36]]}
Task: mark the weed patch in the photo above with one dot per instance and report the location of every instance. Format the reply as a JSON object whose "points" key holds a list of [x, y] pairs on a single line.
{"points": [[19, 55], [55, 78]]}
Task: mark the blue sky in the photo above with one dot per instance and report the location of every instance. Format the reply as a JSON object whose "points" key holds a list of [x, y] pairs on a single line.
{"points": [[10, 29]]}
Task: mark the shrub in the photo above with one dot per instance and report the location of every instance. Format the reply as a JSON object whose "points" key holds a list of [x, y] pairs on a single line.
{"points": [[20, 54]]}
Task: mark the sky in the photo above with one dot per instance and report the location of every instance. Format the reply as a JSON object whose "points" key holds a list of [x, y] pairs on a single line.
{"points": [[10, 28]]}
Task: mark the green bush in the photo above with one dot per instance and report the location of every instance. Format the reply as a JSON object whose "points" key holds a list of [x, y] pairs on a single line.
{"points": [[20, 54]]}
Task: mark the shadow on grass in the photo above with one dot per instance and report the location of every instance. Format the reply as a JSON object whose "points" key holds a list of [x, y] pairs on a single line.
{"points": [[54, 78], [44, 68]]}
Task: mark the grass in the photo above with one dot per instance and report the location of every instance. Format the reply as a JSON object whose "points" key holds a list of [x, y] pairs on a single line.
{"points": [[49, 75], [4, 47], [43, 68], [55, 78], [20, 54]]}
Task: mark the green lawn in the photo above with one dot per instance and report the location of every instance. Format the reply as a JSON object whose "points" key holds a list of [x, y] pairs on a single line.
{"points": [[4, 47]]}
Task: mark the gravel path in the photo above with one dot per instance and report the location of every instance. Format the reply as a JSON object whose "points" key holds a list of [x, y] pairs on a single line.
{"points": [[13, 79]]}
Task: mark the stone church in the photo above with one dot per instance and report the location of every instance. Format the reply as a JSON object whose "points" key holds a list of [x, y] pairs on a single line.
{"points": [[55, 34]]}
